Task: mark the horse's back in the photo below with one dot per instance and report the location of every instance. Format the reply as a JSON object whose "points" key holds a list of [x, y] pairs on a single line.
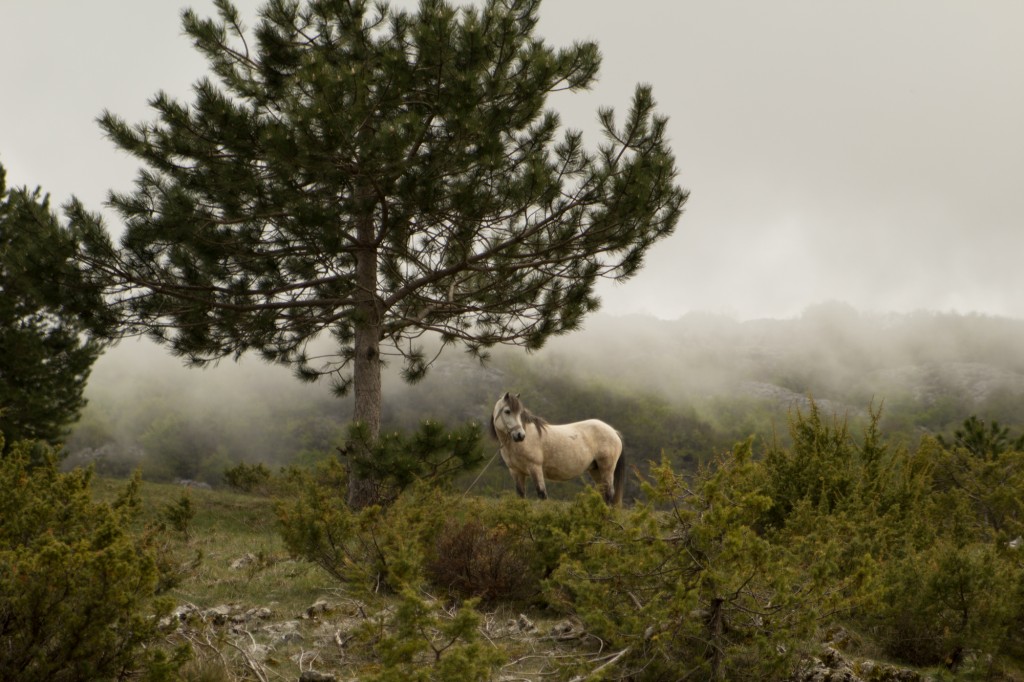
{"points": [[595, 431], [570, 449]]}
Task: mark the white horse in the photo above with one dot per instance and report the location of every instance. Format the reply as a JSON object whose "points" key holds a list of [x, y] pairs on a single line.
{"points": [[532, 447]]}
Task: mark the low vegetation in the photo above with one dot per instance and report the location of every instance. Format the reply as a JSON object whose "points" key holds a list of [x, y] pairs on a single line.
{"points": [[837, 548], [77, 586]]}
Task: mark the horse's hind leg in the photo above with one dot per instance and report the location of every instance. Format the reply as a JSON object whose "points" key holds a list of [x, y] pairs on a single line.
{"points": [[603, 479]]}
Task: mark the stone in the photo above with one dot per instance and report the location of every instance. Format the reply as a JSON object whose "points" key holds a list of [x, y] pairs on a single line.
{"points": [[314, 676], [241, 562], [318, 608]]}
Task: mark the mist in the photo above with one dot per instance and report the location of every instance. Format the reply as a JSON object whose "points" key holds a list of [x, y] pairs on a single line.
{"points": [[687, 388]]}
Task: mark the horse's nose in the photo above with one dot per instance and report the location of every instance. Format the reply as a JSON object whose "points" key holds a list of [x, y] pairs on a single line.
{"points": [[519, 436]]}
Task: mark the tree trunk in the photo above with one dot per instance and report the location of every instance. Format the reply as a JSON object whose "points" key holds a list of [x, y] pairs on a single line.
{"points": [[366, 379], [716, 626], [366, 363]]}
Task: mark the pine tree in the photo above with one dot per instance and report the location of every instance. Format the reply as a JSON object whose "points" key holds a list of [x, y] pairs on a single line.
{"points": [[984, 443], [46, 352], [377, 175]]}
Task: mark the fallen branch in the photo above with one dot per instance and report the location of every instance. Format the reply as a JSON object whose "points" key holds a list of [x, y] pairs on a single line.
{"points": [[614, 658]]}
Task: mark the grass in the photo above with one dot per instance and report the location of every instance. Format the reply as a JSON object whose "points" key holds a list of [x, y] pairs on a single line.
{"points": [[231, 563], [232, 553]]}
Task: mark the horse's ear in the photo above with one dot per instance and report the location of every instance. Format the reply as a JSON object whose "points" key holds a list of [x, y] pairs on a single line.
{"points": [[506, 395], [517, 395]]}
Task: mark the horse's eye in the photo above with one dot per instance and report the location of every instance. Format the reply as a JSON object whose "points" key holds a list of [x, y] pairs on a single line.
{"points": [[508, 411]]}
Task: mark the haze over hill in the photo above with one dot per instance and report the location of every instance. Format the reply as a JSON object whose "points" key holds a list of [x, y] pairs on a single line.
{"points": [[689, 386]]}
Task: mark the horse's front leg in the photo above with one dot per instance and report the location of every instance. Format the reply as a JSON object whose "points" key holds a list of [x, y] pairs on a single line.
{"points": [[537, 474], [520, 479]]}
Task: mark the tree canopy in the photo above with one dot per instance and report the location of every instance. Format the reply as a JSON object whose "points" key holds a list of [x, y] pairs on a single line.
{"points": [[46, 317], [376, 175]]}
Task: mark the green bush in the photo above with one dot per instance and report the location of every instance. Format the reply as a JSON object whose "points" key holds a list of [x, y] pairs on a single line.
{"points": [[946, 601], [692, 591], [386, 549], [396, 460], [420, 643], [916, 545], [75, 589], [248, 478], [376, 546], [180, 515]]}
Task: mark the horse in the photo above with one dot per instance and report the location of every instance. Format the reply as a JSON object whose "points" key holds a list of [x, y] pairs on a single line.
{"points": [[530, 446]]}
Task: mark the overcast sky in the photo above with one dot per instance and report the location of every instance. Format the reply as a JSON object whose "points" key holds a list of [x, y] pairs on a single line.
{"points": [[867, 151]]}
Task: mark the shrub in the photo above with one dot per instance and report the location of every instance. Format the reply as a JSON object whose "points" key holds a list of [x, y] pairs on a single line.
{"points": [[694, 591], [945, 601], [493, 564], [395, 461], [384, 549], [180, 515], [917, 546], [248, 478], [372, 546], [74, 587], [420, 643]]}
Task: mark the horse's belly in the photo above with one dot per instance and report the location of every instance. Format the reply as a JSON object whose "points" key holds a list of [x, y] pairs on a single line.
{"points": [[561, 472], [568, 456]]}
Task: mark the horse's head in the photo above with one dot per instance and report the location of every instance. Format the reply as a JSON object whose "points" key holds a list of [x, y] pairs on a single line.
{"points": [[506, 420]]}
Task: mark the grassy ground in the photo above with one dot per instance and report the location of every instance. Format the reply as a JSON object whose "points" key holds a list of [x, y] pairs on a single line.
{"points": [[231, 553], [250, 611]]}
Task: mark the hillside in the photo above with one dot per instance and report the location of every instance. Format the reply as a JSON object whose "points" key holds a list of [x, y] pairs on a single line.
{"points": [[687, 388]]}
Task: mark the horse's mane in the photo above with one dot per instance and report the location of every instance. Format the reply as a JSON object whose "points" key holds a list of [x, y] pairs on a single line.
{"points": [[525, 415], [530, 418]]}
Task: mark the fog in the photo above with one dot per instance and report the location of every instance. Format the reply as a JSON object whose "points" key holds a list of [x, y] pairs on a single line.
{"points": [[706, 381]]}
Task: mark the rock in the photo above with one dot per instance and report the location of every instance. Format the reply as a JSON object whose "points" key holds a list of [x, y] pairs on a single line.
{"points": [[840, 638], [285, 632], [318, 608], [525, 624], [565, 630], [218, 615], [833, 666], [179, 615], [259, 613], [189, 483], [243, 561], [314, 676]]}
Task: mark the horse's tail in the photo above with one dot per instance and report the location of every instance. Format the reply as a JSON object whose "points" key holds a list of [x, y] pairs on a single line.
{"points": [[619, 479]]}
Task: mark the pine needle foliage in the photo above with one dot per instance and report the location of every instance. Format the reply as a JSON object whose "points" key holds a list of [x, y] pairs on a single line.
{"points": [[49, 322], [693, 591], [396, 460], [75, 587], [418, 644]]}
